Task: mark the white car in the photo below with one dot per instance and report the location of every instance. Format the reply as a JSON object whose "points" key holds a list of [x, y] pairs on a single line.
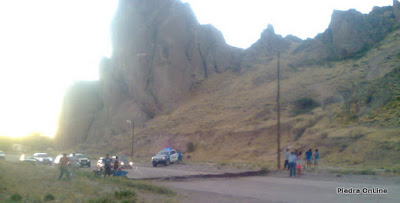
{"points": [[2, 156], [43, 158], [57, 159], [27, 158], [166, 156]]}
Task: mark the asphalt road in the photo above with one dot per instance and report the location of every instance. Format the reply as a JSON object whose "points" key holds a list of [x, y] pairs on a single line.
{"points": [[277, 189], [159, 172]]}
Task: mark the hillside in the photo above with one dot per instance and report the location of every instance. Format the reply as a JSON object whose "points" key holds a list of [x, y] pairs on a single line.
{"points": [[233, 116], [181, 83]]}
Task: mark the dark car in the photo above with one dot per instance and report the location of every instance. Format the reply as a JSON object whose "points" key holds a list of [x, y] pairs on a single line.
{"points": [[125, 163], [43, 158], [82, 160]]}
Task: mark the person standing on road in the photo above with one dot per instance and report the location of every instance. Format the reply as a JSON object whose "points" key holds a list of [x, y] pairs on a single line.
{"points": [[64, 167], [287, 154], [316, 158], [292, 164], [308, 158], [107, 165]]}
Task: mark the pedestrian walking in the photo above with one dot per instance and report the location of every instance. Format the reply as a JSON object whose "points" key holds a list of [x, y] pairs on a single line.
{"points": [[64, 167], [292, 163]]}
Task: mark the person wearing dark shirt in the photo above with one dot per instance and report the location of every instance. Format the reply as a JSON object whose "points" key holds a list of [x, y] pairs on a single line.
{"points": [[308, 158], [107, 165], [116, 164]]}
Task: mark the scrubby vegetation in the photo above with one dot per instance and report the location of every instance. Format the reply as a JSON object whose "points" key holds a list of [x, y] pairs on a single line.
{"points": [[27, 183], [304, 105]]}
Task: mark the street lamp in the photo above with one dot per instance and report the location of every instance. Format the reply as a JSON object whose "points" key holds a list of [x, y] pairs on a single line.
{"points": [[133, 135]]}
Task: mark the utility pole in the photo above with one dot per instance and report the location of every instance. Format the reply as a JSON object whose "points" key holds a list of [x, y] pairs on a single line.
{"points": [[279, 114], [133, 136]]}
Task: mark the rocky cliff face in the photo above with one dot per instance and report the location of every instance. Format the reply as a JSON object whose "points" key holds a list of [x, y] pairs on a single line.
{"points": [[160, 50], [161, 53], [349, 33]]}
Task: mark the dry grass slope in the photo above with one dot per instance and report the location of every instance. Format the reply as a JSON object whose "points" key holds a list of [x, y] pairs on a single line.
{"points": [[232, 116]]}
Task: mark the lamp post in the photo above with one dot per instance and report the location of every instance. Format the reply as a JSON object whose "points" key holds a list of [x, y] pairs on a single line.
{"points": [[133, 135], [278, 113]]}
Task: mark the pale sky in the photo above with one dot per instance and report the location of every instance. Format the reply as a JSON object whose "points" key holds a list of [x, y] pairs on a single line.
{"points": [[46, 45]]}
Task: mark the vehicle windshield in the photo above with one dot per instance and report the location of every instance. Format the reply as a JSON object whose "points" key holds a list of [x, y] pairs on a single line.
{"points": [[80, 156], [42, 155], [162, 153]]}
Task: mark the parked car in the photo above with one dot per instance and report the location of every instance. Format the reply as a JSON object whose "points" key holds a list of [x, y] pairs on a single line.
{"points": [[57, 159], [100, 164], [43, 158], [2, 156], [82, 159], [27, 158], [166, 156], [125, 163]]}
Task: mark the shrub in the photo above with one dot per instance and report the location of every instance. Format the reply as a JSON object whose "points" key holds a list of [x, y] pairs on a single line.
{"points": [[304, 105], [16, 197], [367, 172], [49, 197], [190, 147]]}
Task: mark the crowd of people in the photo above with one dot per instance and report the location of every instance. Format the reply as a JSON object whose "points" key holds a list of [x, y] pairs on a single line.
{"points": [[294, 161], [72, 163]]}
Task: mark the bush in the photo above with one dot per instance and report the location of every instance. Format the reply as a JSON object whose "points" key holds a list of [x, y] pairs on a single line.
{"points": [[304, 105], [367, 172], [49, 197], [16, 197], [190, 147]]}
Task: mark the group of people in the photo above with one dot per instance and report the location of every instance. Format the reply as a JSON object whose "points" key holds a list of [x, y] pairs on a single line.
{"points": [[107, 161], [72, 161], [294, 160]]}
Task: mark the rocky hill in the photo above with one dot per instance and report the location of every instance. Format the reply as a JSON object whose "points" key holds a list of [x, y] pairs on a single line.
{"points": [[181, 83]]}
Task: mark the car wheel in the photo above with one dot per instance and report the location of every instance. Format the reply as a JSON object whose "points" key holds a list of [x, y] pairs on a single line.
{"points": [[166, 163], [154, 164]]}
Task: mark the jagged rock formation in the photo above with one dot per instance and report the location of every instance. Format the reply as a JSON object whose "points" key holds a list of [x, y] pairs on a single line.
{"points": [[161, 53], [349, 33]]}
